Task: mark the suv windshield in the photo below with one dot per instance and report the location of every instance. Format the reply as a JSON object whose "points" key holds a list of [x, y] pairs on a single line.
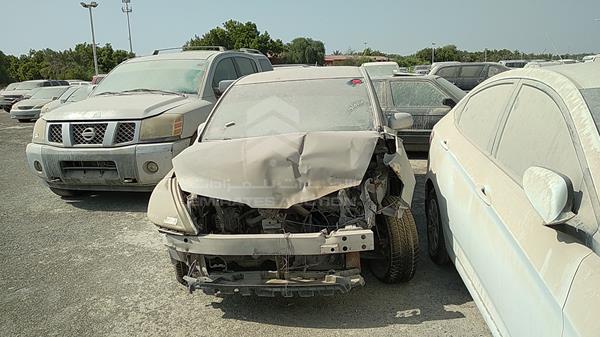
{"points": [[592, 98], [181, 76], [28, 85], [47, 93], [254, 110]]}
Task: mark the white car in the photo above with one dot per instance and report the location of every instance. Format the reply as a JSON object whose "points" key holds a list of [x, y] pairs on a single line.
{"points": [[30, 108], [74, 94], [512, 199], [381, 69]]}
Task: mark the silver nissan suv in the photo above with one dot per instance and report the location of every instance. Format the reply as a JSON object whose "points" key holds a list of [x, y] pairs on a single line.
{"points": [[136, 120]]}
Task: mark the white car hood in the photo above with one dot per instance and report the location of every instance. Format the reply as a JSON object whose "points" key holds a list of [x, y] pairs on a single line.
{"points": [[276, 171], [116, 107], [32, 102]]}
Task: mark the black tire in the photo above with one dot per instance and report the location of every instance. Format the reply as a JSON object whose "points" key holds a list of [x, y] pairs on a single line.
{"points": [[397, 240], [24, 120], [181, 270], [7, 109], [435, 231], [67, 193]]}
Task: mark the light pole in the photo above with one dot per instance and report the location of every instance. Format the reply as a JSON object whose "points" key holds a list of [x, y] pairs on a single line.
{"points": [[126, 9], [432, 52], [89, 6]]}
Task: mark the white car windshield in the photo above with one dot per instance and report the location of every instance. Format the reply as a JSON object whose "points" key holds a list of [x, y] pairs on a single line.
{"points": [[49, 92], [255, 110], [177, 76], [28, 85]]}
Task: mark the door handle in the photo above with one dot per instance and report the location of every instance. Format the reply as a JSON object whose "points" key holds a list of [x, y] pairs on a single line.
{"points": [[444, 144], [483, 194]]}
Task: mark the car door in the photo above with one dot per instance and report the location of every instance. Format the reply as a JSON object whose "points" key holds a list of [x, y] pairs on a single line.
{"points": [[460, 162], [528, 265], [421, 98], [470, 76]]}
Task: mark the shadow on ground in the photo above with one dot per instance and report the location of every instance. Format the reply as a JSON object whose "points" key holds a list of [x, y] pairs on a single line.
{"points": [[112, 201]]}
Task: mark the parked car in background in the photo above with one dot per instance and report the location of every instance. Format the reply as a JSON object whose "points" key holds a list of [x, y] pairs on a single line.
{"points": [[514, 63], [379, 69], [78, 82], [143, 113], [29, 109], [591, 58], [21, 89], [512, 199], [427, 98], [298, 156], [71, 95], [422, 69], [467, 76]]}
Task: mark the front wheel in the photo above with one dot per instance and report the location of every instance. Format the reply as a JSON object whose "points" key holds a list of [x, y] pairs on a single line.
{"points": [[397, 245], [435, 232], [181, 270]]}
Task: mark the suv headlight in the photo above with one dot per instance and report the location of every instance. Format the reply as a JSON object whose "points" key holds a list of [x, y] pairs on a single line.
{"points": [[162, 127], [39, 131]]}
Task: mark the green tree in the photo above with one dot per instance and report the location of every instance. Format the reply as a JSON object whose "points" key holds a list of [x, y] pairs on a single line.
{"points": [[305, 51]]}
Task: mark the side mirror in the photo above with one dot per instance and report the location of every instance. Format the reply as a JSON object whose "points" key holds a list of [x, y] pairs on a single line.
{"points": [[449, 102], [550, 194], [223, 86], [400, 120]]}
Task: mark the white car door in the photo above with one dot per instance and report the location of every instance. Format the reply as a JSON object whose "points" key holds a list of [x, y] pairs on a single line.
{"points": [[460, 162], [530, 266]]}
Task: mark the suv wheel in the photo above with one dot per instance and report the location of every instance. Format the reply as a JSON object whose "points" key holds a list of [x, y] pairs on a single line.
{"points": [[435, 232], [181, 270], [397, 245]]}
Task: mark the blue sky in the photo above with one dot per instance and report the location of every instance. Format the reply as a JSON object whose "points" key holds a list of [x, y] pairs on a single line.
{"points": [[391, 26]]}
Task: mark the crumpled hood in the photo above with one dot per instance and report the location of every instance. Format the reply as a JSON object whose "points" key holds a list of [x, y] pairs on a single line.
{"points": [[32, 102], [116, 107], [276, 171]]}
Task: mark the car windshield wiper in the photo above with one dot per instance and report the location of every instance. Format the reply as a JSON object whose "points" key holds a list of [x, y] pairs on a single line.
{"points": [[167, 92]]}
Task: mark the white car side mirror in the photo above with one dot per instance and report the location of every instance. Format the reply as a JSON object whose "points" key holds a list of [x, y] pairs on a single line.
{"points": [[400, 120], [550, 194], [223, 86]]}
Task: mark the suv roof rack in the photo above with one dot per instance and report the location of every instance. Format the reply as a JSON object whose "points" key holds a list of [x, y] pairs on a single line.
{"points": [[186, 48], [250, 51]]}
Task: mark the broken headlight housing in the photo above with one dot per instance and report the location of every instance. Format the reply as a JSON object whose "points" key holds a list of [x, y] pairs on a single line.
{"points": [[162, 127]]}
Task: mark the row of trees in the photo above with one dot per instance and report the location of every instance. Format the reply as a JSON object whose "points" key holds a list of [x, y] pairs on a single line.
{"points": [[76, 63], [236, 35], [452, 53]]}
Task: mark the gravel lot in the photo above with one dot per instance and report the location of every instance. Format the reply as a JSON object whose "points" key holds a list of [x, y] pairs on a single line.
{"points": [[96, 267]]}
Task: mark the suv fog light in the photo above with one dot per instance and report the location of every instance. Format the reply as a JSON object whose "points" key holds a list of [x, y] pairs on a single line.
{"points": [[37, 166], [151, 167]]}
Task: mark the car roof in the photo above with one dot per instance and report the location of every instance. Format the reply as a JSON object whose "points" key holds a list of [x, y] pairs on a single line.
{"points": [[582, 75], [193, 55], [35, 81], [302, 73]]}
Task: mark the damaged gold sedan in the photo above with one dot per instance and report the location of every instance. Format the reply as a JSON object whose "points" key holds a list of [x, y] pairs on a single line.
{"points": [[296, 181]]}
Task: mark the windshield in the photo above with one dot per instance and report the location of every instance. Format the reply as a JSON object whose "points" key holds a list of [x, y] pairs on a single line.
{"points": [[28, 85], [11, 86], [80, 93], [382, 70], [50, 92], [181, 76], [263, 109], [68, 93], [592, 98]]}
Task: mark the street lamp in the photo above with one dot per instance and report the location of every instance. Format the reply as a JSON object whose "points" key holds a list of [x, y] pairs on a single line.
{"points": [[432, 52], [126, 9], [89, 6]]}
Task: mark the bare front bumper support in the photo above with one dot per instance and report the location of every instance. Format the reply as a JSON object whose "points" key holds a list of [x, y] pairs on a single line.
{"points": [[345, 240]]}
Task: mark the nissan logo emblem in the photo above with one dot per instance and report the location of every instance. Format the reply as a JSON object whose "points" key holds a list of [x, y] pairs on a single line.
{"points": [[88, 134]]}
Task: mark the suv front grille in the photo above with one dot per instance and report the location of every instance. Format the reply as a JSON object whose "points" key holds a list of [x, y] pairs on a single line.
{"points": [[125, 133], [88, 165], [55, 133], [88, 133]]}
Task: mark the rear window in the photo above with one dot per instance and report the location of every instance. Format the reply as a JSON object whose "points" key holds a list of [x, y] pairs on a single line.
{"points": [[265, 65], [592, 98]]}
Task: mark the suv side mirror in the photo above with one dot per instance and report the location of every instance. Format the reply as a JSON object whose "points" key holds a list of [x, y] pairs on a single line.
{"points": [[449, 102], [550, 194], [400, 120], [223, 86]]}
